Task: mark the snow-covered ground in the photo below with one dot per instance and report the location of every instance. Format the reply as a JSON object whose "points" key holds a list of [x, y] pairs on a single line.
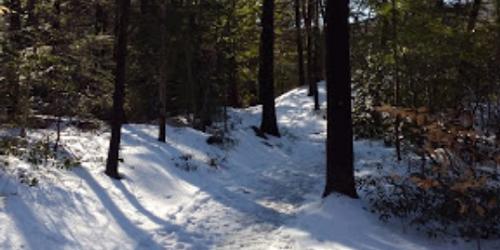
{"points": [[186, 194]]}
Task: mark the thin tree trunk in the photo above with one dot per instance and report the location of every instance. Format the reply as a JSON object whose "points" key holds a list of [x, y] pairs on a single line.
{"points": [[121, 22], [384, 34], [300, 45], [463, 72], [476, 6], [58, 132], [101, 19], [266, 69], [498, 34], [497, 57], [309, 48], [317, 53], [56, 24], [340, 170], [233, 91], [162, 91], [192, 107], [12, 76], [321, 16], [30, 9], [397, 101], [32, 22]]}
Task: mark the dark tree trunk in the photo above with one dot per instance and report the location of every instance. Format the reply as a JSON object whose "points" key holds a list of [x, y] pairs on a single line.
{"points": [[316, 67], [384, 33], [58, 132], [476, 6], [101, 19], [309, 45], [233, 93], [440, 4], [464, 73], [497, 4], [497, 60], [56, 24], [121, 25], [340, 172], [300, 45], [266, 70], [162, 91], [14, 16], [321, 43], [233, 90], [14, 36], [397, 98], [30, 9]]}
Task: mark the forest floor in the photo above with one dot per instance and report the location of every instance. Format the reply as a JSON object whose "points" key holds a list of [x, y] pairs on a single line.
{"points": [[186, 194]]}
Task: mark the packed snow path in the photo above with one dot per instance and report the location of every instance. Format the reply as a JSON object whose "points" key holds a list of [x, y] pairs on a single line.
{"points": [[185, 194], [260, 183], [243, 208]]}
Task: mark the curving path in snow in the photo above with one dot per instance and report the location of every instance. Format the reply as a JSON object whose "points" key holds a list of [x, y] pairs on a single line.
{"points": [[185, 194]]}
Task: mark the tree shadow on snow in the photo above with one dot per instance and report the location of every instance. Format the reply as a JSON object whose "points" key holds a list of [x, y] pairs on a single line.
{"points": [[45, 227], [166, 226], [142, 238], [34, 233], [238, 201], [271, 187]]}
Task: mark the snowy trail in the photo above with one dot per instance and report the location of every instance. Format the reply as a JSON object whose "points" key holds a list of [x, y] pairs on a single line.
{"points": [[185, 194], [256, 202], [257, 224], [260, 185]]}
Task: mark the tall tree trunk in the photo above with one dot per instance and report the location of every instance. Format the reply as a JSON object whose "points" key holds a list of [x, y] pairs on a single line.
{"points": [[497, 60], [233, 90], [101, 19], [316, 53], [474, 14], [397, 101], [266, 70], [498, 33], [309, 45], [300, 45], [463, 65], [121, 25], [32, 22], [340, 171], [233, 93], [14, 27], [58, 132], [321, 16], [384, 33], [30, 9], [162, 91], [19, 111], [56, 23], [440, 4]]}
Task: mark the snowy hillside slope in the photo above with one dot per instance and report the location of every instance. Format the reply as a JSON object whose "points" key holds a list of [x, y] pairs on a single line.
{"points": [[186, 194]]}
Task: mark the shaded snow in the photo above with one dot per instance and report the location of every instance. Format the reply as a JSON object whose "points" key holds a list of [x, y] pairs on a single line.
{"points": [[260, 195]]}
